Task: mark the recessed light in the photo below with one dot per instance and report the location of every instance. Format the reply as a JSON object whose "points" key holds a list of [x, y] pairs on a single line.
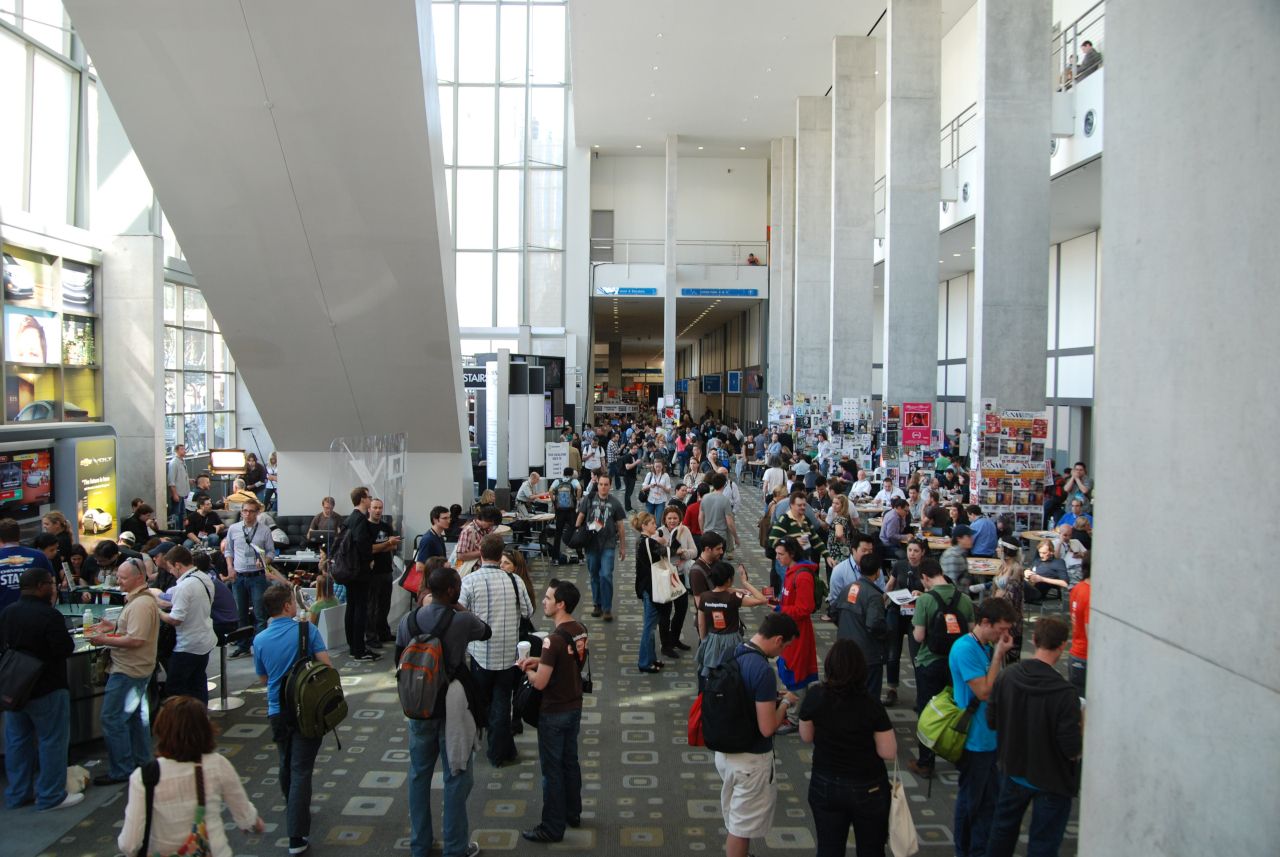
{"points": [[596, 146], [939, 261], [756, 97], [973, 248], [700, 148], [659, 35], [648, 118], [957, 255], [655, 68], [877, 73], [742, 148], [652, 94], [769, 69], [784, 38]]}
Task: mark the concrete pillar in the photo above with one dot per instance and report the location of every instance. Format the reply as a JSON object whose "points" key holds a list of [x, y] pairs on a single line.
{"points": [[1187, 322], [1010, 310], [133, 362], [669, 258], [812, 343], [911, 200], [782, 265], [853, 156], [615, 365]]}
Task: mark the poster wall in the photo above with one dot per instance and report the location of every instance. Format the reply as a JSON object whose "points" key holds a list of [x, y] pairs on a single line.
{"points": [[1009, 478]]}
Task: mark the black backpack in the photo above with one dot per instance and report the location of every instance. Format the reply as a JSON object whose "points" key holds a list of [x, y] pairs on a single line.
{"points": [[342, 560], [728, 710], [940, 635]]}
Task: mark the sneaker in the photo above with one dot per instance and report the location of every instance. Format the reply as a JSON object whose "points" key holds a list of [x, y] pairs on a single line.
{"points": [[574, 821], [299, 844], [924, 772], [539, 834], [373, 644], [596, 612], [891, 696], [239, 653], [472, 850], [787, 728], [367, 656], [67, 802]]}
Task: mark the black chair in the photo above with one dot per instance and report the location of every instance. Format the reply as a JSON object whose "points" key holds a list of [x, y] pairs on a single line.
{"points": [[225, 702]]}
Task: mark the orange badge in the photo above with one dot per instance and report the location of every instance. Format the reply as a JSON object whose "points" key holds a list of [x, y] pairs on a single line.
{"points": [[953, 624], [853, 593]]}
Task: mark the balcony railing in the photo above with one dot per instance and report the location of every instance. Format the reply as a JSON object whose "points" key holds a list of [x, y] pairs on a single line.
{"points": [[1065, 45], [959, 137], [652, 251]]}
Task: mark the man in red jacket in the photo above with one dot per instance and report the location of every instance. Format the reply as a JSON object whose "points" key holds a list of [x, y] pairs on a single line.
{"points": [[798, 663], [1036, 715]]}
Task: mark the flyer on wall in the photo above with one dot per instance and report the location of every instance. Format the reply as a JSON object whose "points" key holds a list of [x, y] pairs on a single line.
{"points": [[917, 420]]}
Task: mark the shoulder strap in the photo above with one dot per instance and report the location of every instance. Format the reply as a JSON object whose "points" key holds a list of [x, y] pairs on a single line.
{"points": [[150, 777], [199, 785], [938, 598], [302, 643], [515, 590], [954, 603]]}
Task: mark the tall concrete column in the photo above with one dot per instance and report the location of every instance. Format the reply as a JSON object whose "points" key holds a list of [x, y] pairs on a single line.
{"points": [[615, 365], [782, 265], [911, 200], [812, 345], [1009, 306], [853, 157], [669, 258], [1187, 321]]}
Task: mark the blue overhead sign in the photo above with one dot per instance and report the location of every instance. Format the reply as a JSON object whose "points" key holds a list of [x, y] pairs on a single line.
{"points": [[626, 291], [682, 386], [711, 383], [720, 293]]}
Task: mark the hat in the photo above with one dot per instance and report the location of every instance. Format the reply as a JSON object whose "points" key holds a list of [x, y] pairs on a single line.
{"points": [[128, 537], [960, 532], [162, 548]]}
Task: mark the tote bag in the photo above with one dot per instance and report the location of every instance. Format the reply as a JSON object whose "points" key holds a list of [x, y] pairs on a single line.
{"points": [[666, 580], [902, 830]]}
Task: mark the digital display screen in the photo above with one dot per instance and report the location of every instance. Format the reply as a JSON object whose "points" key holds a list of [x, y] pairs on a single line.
{"points": [[26, 479]]}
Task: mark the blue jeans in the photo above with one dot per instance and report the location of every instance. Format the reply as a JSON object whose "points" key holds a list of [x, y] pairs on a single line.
{"points": [[495, 688], [186, 675], [426, 743], [1077, 672], [600, 567], [297, 762], [976, 802], [655, 509], [249, 589], [561, 776], [1049, 816], [648, 650], [38, 735], [126, 724], [839, 802]]}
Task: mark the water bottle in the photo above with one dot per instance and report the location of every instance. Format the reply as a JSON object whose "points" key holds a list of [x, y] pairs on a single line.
{"points": [[88, 619]]}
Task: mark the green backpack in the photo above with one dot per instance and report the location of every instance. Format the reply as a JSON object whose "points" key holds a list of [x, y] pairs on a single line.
{"points": [[311, 694], [944, 726]]}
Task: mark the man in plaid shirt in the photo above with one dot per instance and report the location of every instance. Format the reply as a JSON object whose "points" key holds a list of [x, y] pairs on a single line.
{"points": [[499, 600]]}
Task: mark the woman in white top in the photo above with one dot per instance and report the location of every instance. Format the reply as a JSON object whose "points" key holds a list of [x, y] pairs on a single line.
{"points": [[683, 551], [658, 481], [186, 745]]}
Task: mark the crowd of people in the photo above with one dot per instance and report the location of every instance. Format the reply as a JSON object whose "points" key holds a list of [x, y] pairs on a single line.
{"points": [[963, 633]]}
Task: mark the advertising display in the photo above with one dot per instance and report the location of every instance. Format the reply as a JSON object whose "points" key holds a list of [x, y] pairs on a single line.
{"points": [[31, 336], [1009, 478], [26, 482], [917, 419], [735, 382], [557, 459], [96, 512], [711, 384]]}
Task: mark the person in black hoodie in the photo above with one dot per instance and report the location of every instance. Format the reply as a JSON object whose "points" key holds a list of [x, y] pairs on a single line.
{"points": [[1037, 718]]}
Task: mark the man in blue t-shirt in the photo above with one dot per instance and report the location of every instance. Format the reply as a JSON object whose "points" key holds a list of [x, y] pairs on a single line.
{"points": [[750, 788], [984, 532], [974, 667], [275, 649], [15, 559], [432, 541]]}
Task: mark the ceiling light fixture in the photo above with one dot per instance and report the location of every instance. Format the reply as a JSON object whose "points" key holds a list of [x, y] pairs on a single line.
{"points": [[700, 148], [939, 261], [638, 146], [655, 68], [957, 255], [742, 148], [652, 94], [659, 35], [770, 68]]}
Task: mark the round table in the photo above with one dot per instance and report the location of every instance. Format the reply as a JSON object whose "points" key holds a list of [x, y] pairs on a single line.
{"points": [[984, 566], [1037, 535]]}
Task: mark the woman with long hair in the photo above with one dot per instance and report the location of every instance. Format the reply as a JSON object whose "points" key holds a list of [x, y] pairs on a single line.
{"points": [[325, 598], [684, 550], [195, 781], [658, 484], [514, 563], [650, 548], [841, 524], [852, 738], [1008, 583]]}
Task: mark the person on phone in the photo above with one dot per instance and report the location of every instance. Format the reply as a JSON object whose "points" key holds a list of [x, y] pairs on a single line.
{"points": [[975, 662]]}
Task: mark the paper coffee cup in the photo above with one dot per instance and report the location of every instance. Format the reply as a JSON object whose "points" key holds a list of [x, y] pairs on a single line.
{"points": [[522, 649]]}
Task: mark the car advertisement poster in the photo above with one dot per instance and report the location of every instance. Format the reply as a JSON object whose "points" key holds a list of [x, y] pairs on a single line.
{"points": [[96, 514]]}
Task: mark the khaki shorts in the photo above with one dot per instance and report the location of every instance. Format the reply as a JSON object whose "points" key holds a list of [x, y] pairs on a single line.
{"points": [[749, 793]]}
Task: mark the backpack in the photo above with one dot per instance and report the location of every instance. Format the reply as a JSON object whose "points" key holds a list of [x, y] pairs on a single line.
{"points": [[821, 589], [728, 711], [311, 694], [422, 677], [945, 626], [342, 560], [564, 494], [944, 726]]}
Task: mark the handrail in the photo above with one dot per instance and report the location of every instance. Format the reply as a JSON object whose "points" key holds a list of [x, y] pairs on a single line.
{"points": [[954, 141], [878, 196], [1065, 45], [689, 251]]}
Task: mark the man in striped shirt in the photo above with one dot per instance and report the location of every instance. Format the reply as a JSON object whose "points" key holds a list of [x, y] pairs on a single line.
{"points": [[499, 600]]}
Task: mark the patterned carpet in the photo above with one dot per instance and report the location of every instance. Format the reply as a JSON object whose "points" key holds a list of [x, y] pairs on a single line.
{"points": [[644, 787]]}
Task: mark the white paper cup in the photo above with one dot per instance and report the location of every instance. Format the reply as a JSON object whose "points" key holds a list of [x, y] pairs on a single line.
{"points": [[522, 649]]}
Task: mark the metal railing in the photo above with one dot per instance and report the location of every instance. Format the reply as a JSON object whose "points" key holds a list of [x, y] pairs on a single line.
{"points": [[1065, 45], [878, 196], [959, 137], [652, 251]]}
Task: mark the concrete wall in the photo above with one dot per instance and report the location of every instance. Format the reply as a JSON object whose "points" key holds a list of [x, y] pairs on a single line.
{"points": [[1183, 725]]}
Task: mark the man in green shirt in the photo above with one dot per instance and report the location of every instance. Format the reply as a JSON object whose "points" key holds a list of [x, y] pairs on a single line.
{"points": [[932, 672], [795, 524]]}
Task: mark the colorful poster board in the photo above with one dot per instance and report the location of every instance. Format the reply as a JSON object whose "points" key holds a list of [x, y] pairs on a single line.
{"points": [[1009, 478], [97, 517], [917, 420]]}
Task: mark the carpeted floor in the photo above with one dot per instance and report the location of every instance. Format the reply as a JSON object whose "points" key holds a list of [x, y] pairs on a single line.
{"points": [[644, 787]]}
